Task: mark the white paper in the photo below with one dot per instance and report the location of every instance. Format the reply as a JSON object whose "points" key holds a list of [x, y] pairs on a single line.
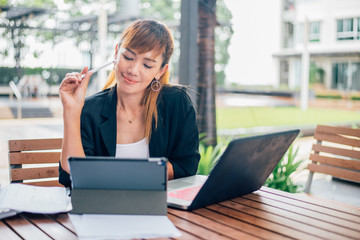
{"points": [[109, 226], [26, 198]]}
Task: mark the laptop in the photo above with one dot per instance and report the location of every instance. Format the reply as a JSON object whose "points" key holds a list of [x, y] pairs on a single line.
{"points": [[242, 168]]}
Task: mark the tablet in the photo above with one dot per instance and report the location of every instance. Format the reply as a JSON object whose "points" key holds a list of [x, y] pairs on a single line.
{"points": [[109, 185], [118, 174]]}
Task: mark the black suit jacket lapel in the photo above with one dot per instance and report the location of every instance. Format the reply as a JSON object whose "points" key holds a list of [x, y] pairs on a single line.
{"points": [[157, 144], [108, 127]]}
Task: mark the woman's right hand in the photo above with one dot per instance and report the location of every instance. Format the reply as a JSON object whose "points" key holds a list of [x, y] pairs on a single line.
{"points": [[73, 89]]}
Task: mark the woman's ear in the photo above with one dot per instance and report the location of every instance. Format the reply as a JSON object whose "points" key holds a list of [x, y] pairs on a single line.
{"points": [[162, 71], [116, 51]]}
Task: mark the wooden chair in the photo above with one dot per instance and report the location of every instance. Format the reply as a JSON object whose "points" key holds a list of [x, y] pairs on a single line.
{"points": [[337, 153], [31, 160]]}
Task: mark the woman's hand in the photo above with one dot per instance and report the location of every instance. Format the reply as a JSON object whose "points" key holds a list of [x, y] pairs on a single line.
{"points": [[72, 93], [73, 89]]}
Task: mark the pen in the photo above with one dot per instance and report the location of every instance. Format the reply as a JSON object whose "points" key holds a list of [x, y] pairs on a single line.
{"points": [[94, 70]]}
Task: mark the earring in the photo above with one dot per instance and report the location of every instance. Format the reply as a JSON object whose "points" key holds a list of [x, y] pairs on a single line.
{"points": [[155, 85]]}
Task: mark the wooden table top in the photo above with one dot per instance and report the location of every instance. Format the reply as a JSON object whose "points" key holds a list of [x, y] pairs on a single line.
{"points": [[264, 214]]}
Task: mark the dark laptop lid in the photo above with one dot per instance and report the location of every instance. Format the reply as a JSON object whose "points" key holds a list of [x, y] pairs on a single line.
{"points": [[244, 167]]}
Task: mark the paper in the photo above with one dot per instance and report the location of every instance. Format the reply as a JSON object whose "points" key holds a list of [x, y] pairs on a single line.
{"points": [[4, 213], [26, 198], [108, 226]]}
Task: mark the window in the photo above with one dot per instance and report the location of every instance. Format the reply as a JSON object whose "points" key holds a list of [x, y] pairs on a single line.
{"points": [[288, 35], [348, 29], [284, 72], [314, 32], [346, 76], [340, 76], [355, 83], [289, 5], [358, 28]]}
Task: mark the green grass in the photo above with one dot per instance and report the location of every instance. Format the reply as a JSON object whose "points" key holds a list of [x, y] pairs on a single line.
{"points": [[232, 117]]}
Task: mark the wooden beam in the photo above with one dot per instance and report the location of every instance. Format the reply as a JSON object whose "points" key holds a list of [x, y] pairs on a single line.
{"points": [[32, 173], [34, 144], [34, 157], [336, 172]]}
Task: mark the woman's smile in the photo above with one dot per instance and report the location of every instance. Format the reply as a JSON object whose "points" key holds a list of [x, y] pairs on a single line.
{"points": [[129, 80], [135, 71]]}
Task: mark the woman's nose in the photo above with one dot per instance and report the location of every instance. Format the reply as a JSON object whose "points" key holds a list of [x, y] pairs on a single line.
{"points": [[134, 68]]}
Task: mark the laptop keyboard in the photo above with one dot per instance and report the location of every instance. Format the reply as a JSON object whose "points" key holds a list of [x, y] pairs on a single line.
{"points": [[187, 194]]}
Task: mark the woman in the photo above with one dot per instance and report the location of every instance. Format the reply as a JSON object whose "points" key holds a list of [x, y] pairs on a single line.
{"points": [[138, 114]]}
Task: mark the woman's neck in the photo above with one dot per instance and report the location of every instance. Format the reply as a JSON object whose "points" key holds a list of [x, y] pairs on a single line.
{"points": [[129, 104]]}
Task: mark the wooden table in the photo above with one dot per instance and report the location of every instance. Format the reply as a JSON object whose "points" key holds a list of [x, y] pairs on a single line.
{"points": [[264, 214]]}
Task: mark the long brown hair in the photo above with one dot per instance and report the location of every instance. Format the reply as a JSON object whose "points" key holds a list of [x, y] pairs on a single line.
{"points": [[143, 36]]}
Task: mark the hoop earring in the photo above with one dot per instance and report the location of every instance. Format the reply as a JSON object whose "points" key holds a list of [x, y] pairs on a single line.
{"points": [[155, 85]]}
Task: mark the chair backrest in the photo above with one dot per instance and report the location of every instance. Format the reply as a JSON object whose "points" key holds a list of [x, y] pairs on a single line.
{"points": [[35, 160], [336, 153]]}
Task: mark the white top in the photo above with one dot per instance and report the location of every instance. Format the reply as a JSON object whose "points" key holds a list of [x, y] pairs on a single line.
{"points": [[138, 149]]}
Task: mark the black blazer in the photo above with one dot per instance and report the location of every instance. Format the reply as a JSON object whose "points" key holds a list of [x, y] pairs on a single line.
{"points": [[176, 136]]}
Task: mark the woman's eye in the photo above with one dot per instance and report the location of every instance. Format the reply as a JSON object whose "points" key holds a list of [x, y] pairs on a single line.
{"points": [[147, 66], [127, 58]]}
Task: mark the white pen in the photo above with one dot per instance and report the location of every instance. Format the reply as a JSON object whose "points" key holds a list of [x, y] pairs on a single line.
{"points": [[94, 70]]}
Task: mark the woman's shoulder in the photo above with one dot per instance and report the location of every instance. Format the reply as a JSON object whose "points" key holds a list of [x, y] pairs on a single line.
{"points": [[172, 95], [95, 102], [174, 91], [99, 96]]}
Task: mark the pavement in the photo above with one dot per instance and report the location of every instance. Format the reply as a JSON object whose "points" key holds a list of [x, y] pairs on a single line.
{"points": [[323, 186], [30, 107]]}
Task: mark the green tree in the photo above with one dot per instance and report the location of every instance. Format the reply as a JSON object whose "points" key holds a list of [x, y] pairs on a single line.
{"points": [[223, 34], [168, 10], [32, 3], [17, 28]]}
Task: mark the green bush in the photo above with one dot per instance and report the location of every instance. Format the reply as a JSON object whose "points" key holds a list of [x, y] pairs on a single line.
{"points": [[280, 178], [355, 98], [329, 96], [7, 75], [52, 76]]}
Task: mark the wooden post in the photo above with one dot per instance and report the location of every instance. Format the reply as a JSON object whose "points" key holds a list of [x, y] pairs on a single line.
{"points": [[207, 77]]}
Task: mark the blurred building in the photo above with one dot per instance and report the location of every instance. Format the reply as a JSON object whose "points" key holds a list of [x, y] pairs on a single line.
{"points": [[330, 30]]}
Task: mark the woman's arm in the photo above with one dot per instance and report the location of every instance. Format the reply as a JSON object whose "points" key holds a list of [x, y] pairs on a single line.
{"points": [[185, 141], [170, 171], [72, 93]]}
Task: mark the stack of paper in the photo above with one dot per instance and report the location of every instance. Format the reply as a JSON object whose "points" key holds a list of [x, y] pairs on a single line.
{"points": [[26, 198], [107, 226], [48, 200]]}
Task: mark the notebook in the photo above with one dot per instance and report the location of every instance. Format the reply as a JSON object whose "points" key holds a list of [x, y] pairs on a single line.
{"points": [[243, 168]]}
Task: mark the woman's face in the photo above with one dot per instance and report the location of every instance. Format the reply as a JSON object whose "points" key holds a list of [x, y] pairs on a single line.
{"points": [[135, 71]]}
